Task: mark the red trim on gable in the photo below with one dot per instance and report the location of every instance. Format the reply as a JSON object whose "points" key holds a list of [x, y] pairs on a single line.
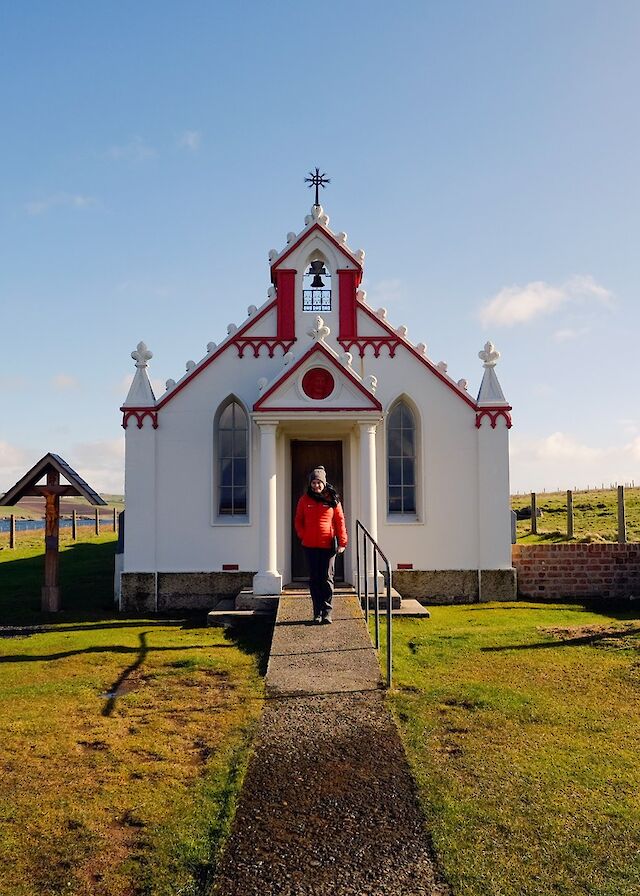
{"points": [[281, 409], [376, 343], [320, 349], [427, 363], [286, 298], [139, 414], [493, 414], [307, 233], [215, 354], [255, 343], [347, 285]]}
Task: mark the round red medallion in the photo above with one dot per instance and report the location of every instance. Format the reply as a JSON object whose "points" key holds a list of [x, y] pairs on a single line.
{"points": [[317, 383]]}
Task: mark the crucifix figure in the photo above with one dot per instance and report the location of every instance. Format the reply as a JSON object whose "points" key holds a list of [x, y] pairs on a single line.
{"points": [[317, 180]]}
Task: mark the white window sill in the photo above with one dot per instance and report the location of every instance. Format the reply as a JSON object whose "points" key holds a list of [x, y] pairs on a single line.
{"points": [[404, 519], [231, 521]]}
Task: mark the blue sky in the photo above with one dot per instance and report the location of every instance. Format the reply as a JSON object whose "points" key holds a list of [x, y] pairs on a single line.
{"points": [[484, 154]]}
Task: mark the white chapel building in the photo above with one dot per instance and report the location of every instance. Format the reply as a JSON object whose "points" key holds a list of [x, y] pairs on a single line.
{"points": [[215, 466]]}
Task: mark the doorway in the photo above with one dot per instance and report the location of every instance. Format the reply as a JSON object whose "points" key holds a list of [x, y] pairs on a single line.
{"points": [[305, 455]]}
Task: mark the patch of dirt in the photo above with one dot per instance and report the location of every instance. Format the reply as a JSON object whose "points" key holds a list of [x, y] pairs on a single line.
{"points": [[618, 636]]}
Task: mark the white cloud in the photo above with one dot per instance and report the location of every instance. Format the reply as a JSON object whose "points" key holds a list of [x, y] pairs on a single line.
{"points": [[560, 461], [57, 200], [100, 463], [569, 334], [136, 150], [521, 304], [15, 461], [191, 140], [62, 382]]}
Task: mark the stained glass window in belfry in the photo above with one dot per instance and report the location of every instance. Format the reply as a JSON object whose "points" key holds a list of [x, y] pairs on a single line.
{"points": [[401, 460], [232, 438], [316, 288]]}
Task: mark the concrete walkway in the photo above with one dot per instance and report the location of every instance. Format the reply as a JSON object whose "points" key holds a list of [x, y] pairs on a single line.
{"points": [[328, 804]]}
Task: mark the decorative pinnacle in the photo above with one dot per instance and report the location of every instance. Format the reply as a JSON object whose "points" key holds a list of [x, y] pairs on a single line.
{"points": [[490, 355], [317, 180], [319, 331], [141, 355]]}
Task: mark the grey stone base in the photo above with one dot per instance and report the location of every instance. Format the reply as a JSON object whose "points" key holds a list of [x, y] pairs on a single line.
{"points": [[455, 586], [179, 590]]}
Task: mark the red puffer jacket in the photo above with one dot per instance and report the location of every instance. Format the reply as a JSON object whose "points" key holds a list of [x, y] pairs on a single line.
{"points": [[317, 523]]}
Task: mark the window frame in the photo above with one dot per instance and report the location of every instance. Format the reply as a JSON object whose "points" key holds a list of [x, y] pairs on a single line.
{"points": [[229, 519], [402, 517]]}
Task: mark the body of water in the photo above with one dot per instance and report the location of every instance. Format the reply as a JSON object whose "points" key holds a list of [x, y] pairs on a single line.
{"points": [[35, 525]]}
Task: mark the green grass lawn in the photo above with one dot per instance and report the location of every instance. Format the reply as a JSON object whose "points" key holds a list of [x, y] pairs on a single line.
{"points": [[123, 742], [595, 516], [522, 724]]}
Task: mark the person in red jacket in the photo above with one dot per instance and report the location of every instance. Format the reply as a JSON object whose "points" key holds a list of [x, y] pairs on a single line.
{"points": [[320, 526]]}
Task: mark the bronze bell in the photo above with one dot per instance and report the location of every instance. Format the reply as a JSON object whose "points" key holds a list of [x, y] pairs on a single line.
{"points": [[317, 268]]}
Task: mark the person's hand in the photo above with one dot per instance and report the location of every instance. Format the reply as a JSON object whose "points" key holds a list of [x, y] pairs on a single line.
{"points": [[341, 550]]}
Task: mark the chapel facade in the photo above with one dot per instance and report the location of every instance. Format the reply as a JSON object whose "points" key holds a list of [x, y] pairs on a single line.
{"points": [[214, 466]]}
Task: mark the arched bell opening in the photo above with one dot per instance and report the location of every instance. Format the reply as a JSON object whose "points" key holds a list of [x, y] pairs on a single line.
{"points": [[316, 286]]}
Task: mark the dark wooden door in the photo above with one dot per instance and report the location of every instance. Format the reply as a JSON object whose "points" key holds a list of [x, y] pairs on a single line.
{"points": [[305, 456]]}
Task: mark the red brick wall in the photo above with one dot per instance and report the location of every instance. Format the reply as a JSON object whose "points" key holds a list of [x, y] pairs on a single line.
{"points": [[577, 570]]}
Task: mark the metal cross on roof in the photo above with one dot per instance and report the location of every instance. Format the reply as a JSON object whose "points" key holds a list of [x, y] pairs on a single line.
{"points": [[317, 180]]}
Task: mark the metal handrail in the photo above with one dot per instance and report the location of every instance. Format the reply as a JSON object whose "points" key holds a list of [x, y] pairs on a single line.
{"points": [[367, 537]]}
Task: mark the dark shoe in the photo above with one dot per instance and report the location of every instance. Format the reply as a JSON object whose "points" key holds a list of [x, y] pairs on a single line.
{"points": [[317, 618], [327, 619]]}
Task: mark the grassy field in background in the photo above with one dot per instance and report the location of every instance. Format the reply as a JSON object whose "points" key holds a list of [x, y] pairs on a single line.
{"points": [[595, 516], [123, 742], [522, 724]]}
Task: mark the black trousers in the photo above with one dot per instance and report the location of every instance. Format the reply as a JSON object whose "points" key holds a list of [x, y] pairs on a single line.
{"points": [[321, 563]]}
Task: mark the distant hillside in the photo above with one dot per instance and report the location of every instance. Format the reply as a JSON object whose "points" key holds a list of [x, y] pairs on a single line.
{"points": [[33, 508]]}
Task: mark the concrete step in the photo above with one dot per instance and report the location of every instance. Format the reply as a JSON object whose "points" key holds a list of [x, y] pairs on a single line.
{"points": [[247, 600], [225, 614]]}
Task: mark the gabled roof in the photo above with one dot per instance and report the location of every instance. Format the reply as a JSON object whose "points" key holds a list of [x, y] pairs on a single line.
{"points": [[306, 233], [366, 400], [28, 484]]}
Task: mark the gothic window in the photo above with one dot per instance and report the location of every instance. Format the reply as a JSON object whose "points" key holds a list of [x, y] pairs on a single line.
{"points": [[401, 460], [232, 444], [316, 288]]}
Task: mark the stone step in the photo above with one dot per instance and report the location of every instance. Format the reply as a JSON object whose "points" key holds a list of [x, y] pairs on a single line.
{"points": [[225, 614], [247, 600]]}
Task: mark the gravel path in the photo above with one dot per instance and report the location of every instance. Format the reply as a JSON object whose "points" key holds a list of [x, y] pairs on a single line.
{"points": [[328, 804]]}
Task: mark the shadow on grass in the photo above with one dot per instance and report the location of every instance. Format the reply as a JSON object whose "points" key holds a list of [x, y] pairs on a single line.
{"points": [[254, 639], [615, 608], [592, 639]]}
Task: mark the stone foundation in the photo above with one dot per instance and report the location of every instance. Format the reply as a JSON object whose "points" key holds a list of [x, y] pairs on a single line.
{"points": [[455, 586], [179, 590]]}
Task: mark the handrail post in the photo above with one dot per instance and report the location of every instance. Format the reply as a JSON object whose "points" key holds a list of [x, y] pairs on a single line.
{"points": [[389, 645], [376, 596], [366, 578], [358, 561]]}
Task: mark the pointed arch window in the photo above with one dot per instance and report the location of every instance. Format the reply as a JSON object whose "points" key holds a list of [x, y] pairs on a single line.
{"points": [[232, 444], [401, 460]]}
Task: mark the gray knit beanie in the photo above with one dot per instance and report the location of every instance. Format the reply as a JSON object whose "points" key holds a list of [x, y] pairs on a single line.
{"points": [[319, 473]]}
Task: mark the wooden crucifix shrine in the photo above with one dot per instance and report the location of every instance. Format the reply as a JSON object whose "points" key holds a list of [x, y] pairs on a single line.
{"points": [[52, 466]]}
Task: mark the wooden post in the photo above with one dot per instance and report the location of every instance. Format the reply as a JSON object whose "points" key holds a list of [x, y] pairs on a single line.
{"points": [[569, 513], [50, 589], [622, 522], [534, 514], [97, 521], [115, 520], [12, 531], [74, 524]]}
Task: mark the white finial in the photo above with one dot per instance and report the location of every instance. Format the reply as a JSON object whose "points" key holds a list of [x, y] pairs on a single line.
{"points": [[319, 331], [251, 310], [141, 355], [422, 348], [262, 382], [360, 255], [190, 365], [442, 366], [490, 355], [346, 359], [361, 296], [371, 382], [211, 347], [231, 329], [273, 254], [316, 211], [402, 331], [291, 237], [271, 292], [462, 384], [342, 237], [382, 313], [288, 358], [169, 385], [307, 220]]}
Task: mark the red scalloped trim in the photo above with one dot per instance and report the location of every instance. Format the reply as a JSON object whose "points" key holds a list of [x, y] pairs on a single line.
{"points": [[376, 342], [493, 414], [139, 414], [255, 343]]}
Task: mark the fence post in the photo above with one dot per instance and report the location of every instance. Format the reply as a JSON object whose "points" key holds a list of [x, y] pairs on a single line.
{"points": [[74, 524], [115, 520], [534, 514], [12, 530], [622, 523], [97, 521], [569, 513]]}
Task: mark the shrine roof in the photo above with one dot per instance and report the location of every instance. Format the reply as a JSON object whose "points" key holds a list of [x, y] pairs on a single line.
{"points": [[51, 462]]}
